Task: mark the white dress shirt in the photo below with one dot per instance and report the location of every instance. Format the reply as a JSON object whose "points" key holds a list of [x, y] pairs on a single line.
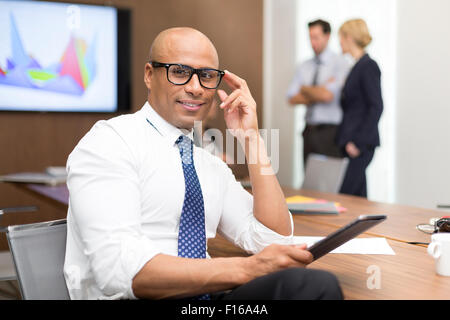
{"points": [[126, 186], [332, 66]]}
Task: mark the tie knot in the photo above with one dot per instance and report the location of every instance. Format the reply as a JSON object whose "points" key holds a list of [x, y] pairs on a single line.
{"points": [[185, 146]]}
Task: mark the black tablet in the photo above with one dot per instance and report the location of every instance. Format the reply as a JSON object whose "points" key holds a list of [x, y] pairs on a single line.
{"points": [[344, 234]]}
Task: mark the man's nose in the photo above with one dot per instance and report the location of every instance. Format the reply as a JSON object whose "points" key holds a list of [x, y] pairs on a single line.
{"points": [[193, 86]]}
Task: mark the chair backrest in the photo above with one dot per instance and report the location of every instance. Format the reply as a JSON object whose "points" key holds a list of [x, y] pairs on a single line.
{"points": [[38, 252], [7, 271], [324, 173]]}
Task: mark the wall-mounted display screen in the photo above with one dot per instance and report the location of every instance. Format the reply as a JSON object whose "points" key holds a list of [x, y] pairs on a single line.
{"points": [[61, 57]]}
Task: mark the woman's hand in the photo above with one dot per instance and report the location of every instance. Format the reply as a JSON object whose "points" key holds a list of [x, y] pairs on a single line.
{"points": [[352, 150]]}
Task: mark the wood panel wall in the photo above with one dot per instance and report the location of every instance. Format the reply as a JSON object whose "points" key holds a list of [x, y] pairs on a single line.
{"points": [[33, 141]]}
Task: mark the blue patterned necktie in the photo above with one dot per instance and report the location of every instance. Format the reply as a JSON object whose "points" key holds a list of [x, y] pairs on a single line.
{"points": [[191, 235]]}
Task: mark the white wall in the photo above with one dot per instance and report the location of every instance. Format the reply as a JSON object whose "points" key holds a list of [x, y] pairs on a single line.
{"points": [[279, 57], [423, 102]]}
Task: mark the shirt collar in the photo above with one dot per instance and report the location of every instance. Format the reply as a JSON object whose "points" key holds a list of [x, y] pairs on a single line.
{"points": [[325, 55], [164, 128]]}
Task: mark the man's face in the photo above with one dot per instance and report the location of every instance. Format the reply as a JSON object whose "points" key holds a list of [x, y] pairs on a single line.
{"points": [[319, 39], [181, 105]]}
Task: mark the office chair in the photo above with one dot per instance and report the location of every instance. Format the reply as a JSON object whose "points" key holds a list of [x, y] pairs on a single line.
{"points": [[38, 251], [324, 173], [7, 271], [8, 289]]}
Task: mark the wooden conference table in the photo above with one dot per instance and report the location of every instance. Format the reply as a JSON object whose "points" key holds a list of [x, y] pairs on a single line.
{"points": [[409, 274]]}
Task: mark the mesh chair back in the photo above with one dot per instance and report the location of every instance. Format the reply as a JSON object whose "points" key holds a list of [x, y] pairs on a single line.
{"points": [[7, 272], [324, 173], [38, 252]]}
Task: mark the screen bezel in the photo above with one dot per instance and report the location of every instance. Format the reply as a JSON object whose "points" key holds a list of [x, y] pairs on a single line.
{"points": [[344, 234], [124, 44]]}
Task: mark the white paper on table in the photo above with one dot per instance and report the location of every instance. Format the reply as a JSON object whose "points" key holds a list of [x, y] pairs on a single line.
{"points": [[354, 246]]}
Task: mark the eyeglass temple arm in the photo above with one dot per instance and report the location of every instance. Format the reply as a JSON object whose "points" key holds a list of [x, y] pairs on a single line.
{"points": [[443, 206]]}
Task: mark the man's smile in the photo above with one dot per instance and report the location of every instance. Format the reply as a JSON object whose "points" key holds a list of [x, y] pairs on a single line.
{"points": [[191, 105]]}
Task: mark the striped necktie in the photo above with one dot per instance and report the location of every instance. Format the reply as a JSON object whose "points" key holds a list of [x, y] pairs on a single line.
{"points": [[316, 71]]}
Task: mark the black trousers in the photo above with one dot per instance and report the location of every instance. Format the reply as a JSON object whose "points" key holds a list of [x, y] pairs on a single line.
{"points": [[288, 284], [355, 182], [320, 139]]}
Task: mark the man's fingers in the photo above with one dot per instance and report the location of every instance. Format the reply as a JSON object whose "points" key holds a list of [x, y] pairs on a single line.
{"points": [[229, 99], [302, 246], [234, 105], [300, 254], [233, 81], [222, 95]]}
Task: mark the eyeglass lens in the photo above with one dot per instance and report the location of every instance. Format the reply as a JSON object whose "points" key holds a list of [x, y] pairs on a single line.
{"points": [[179, 74], [427, 228], [443, 225]]}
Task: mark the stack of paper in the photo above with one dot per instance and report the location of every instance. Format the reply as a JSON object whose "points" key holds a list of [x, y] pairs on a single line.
{"points": [[307, 205], [56, 171], [33, 177]]}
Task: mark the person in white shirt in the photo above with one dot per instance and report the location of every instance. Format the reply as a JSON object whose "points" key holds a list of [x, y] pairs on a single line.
{"points": [[317, 84], [127, 192]]}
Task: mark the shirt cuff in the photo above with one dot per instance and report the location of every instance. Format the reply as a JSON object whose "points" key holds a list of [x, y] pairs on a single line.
{"points": [[118, 264], [258, 236], [134, 259]]}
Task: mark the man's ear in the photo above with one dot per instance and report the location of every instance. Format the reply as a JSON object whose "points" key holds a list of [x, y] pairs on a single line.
{"points": [[148, 73]]}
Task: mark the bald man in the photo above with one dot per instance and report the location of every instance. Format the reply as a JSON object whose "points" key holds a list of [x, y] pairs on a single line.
{"points": [[144, 200]]}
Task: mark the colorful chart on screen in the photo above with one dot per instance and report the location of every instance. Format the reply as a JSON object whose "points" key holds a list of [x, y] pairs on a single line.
{"points": [[57, 57]]}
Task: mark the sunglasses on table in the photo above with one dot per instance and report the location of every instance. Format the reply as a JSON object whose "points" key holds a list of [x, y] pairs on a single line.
{"points": [[180, 74], [439, 225]]}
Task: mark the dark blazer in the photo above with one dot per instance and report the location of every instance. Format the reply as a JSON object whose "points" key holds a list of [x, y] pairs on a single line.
{"points": [[362, 105]]}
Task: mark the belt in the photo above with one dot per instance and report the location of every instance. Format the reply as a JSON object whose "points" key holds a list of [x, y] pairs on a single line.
{"points": [[320, 126]]}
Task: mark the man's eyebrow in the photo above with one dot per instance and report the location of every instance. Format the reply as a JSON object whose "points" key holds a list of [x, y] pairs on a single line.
{"points": [[187, 65]]}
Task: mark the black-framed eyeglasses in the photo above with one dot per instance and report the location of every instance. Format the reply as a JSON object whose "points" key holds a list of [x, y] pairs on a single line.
{"points": [[180, 74]]}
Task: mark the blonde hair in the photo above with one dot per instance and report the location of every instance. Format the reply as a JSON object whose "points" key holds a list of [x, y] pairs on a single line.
{"points": [[358, 30]]}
